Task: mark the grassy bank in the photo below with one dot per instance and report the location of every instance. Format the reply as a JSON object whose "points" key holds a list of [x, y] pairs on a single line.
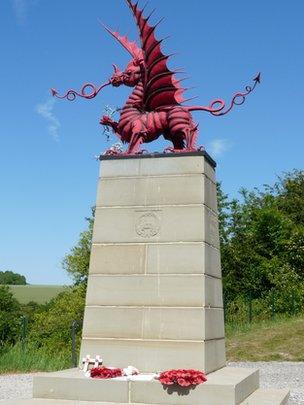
{"points": [[29, 359], [279, 340]]}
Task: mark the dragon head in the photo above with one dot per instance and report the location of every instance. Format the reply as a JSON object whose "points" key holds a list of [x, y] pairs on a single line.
{"points": [[129, 77], [133, 71]]}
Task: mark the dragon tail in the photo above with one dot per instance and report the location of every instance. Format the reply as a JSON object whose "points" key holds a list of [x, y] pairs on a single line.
{"points": [[218, 107]]}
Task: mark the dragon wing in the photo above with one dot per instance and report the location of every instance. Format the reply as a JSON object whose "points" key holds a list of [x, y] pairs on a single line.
{"points": [[161, 88], [131, 47]]}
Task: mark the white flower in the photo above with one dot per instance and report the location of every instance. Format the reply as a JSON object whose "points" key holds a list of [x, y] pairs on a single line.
{"points": [[130, 370]]}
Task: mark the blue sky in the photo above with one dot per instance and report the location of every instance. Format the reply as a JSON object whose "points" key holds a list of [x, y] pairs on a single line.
{"points": [[47, 168]]}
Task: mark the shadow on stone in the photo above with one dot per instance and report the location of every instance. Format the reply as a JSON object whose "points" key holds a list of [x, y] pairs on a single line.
{"points": [[175, 388]]}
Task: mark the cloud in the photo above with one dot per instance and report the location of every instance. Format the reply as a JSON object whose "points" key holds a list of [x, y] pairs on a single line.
{"points": [[218, 147], [46, 111], [20, 9]]}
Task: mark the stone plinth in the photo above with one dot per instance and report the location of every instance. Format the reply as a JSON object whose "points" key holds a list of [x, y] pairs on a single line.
{"points": [[154, 297]]}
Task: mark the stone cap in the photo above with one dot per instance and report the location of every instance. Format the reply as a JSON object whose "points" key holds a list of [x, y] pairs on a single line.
{"points": [[158, 155]]}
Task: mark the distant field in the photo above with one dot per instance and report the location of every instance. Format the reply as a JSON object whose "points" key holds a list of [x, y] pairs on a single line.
{"points": [[37, 293]]}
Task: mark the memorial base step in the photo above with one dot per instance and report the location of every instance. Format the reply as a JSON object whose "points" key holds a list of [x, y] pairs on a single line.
{"points": [[267, 397], [43, 401], [259, 397], [227, 386]]}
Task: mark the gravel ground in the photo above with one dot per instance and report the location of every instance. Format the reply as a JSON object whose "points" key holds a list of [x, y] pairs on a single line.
{"points": [[272, 375], [14, 386], [281, 375]]}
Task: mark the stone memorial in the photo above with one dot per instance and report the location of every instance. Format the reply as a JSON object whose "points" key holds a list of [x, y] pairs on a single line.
{"points": [[154, 298]]}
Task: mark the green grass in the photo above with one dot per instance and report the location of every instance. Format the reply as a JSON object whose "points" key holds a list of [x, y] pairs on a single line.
{"points": [[37, 293], [29, 359], [278, 340]]}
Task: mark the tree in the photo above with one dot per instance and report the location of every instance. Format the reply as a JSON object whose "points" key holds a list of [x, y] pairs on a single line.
{"points": [[262, 239], [51, 327], [10, 278], [289, 191], [9, 317], [76, 263]]}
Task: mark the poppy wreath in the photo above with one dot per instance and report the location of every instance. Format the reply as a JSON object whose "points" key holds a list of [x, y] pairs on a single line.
{"points": [[184, 378], [104, 372]]}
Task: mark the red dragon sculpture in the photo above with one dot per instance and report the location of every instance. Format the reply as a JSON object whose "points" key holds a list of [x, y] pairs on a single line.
{"points": [[155, 106]]}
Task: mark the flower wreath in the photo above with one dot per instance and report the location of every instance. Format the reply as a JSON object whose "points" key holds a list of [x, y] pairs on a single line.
{"points": [[105, 372], [182, 377]]}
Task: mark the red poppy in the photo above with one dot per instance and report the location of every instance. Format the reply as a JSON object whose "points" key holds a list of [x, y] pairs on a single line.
{"points": [[182, 377], [104, 372]]}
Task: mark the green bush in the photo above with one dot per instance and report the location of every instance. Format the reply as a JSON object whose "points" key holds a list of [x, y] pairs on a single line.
{"points": [[51, 328], [262, 247], [10, 313]]}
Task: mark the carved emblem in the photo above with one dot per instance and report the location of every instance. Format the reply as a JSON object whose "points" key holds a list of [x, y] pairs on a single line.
{"points": [[147, 225]]}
